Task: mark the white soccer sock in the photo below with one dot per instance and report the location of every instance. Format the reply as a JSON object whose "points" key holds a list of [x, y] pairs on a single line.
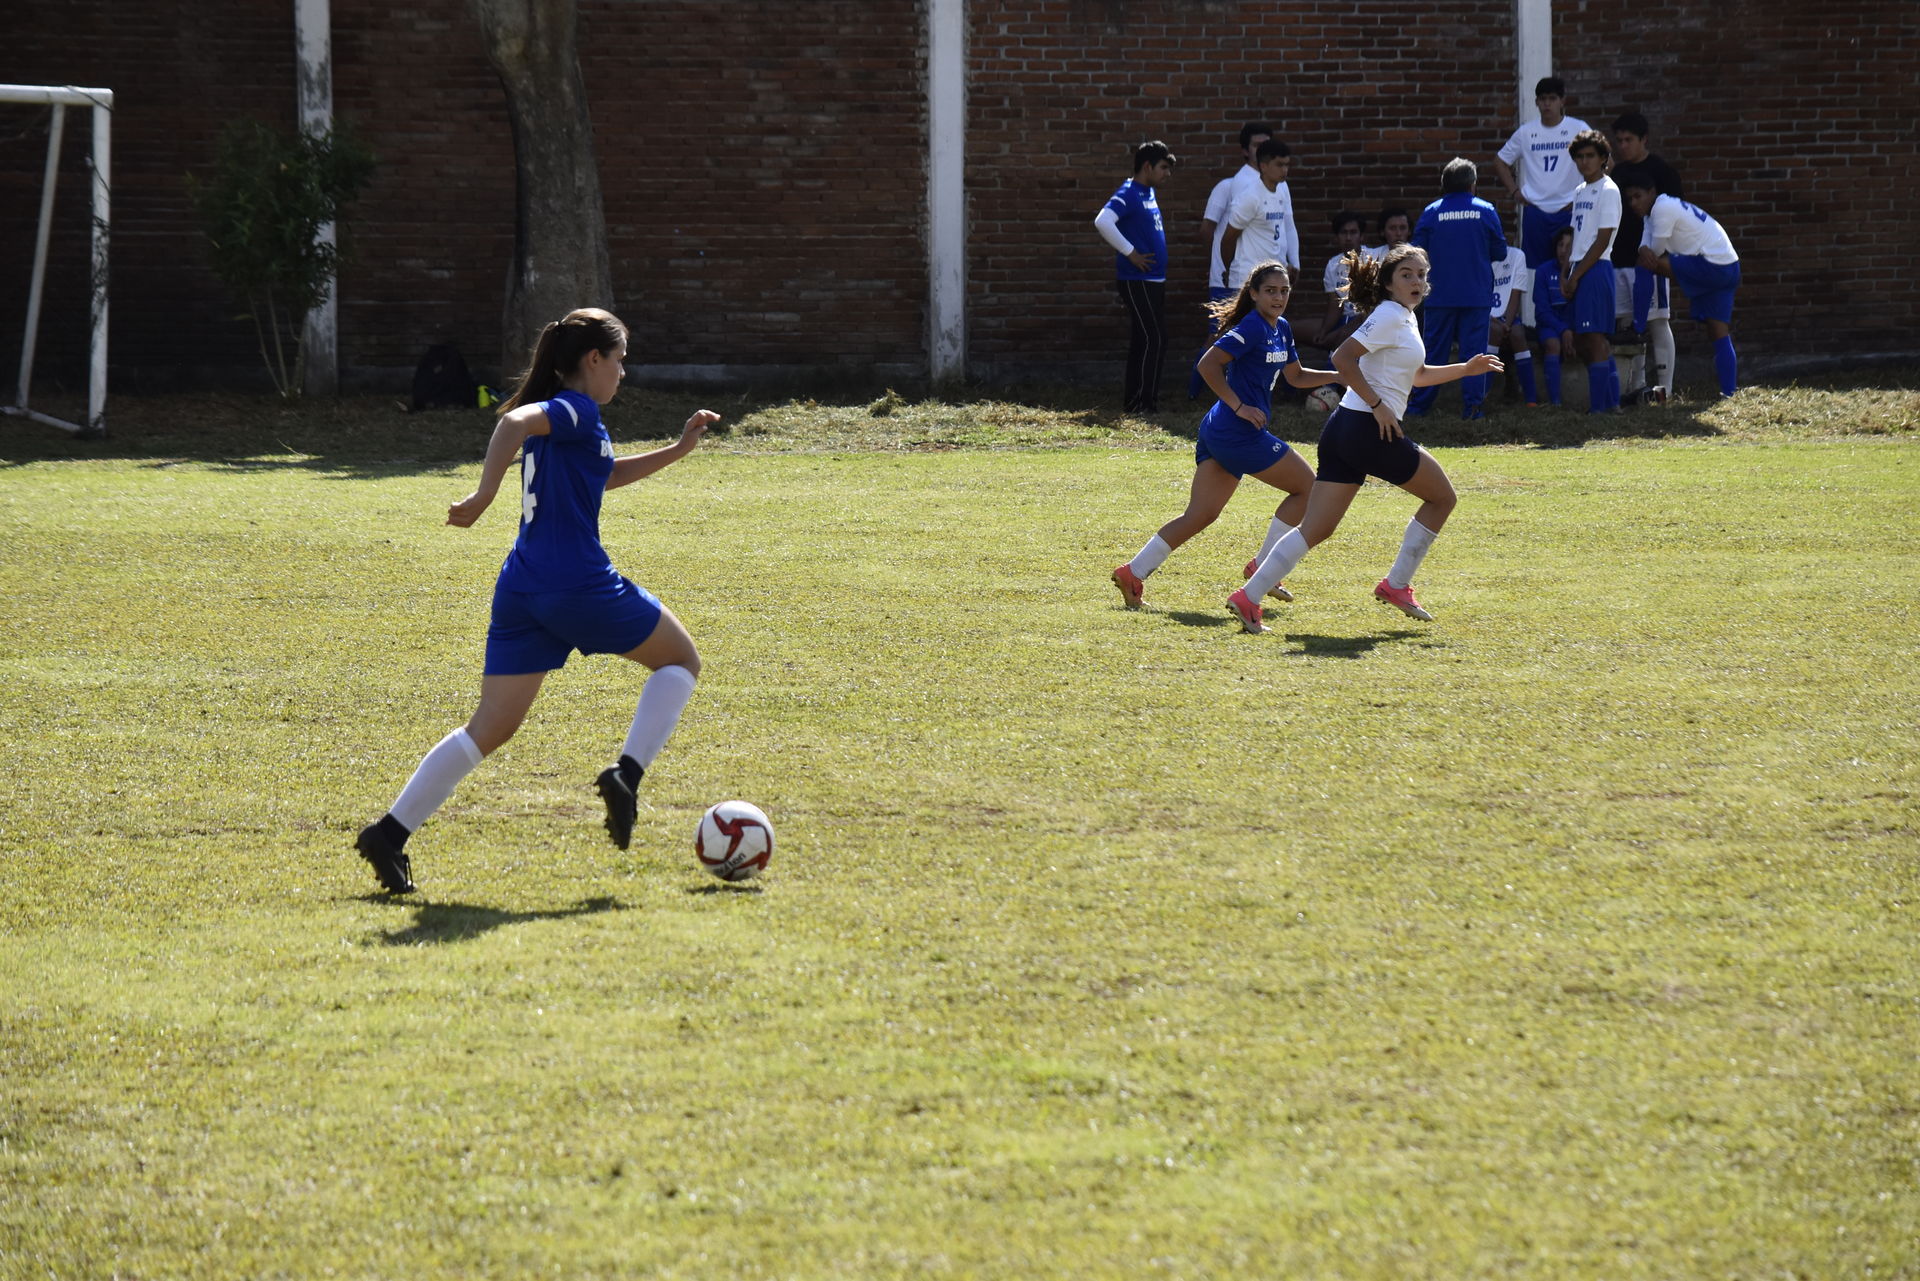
{"points": [[1277, 529], [1414, 545], [439, 772], [1151, 557], [662, 699], [1660, 339], [1277, 564]]}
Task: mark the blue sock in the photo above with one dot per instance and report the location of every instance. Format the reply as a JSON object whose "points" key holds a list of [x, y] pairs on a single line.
{"points": [[1553, 380], [1523, 366], [1613, 383], [1596, 389], [1727, 365]]}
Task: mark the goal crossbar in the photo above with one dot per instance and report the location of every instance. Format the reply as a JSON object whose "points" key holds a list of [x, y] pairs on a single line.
{"points": [[100, 102]]}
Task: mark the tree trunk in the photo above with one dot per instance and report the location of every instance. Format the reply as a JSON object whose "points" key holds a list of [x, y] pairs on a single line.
{"points": [[560, 228]]}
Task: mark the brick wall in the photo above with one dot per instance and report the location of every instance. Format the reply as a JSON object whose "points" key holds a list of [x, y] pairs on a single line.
{"points": [[764, 172]]}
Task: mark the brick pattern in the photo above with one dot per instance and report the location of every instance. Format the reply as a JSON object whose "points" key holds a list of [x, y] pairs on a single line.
{"points": [[764, 162]]}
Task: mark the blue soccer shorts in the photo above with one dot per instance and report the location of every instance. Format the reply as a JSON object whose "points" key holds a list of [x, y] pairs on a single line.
{"points": [[1709, 286], [535, 631], [1593, 303], [1242, 450]]}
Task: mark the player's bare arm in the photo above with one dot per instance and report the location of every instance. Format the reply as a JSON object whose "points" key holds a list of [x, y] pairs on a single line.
{"points": [[640, 466], [509, 434]]}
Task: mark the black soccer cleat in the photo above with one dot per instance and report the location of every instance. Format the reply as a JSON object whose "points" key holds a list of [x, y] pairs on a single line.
{"points": [[623, 805], [389, 861]]}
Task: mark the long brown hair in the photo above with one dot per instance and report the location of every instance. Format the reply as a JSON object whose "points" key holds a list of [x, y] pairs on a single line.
{"points": [[1229, 312], [563, 344], [1367, 276]]}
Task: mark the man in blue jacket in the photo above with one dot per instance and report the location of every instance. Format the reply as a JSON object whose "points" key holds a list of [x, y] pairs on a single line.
{"points": [[1463, 239]]}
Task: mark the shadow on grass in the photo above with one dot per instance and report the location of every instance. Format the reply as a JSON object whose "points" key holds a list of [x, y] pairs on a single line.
{"points": [[456, 922], [725, 887], [1354, 646]]}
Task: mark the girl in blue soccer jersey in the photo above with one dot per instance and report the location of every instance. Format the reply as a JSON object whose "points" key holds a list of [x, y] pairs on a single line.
{"points": [[1252, 346], [1381, 365], [557, 591]]}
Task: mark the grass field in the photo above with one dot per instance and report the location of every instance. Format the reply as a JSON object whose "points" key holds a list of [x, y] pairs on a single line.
{"points": [[1570, 935]]}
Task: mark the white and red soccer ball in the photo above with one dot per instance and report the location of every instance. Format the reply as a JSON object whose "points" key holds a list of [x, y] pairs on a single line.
{"points": [[1324, 400], [734, 841]]}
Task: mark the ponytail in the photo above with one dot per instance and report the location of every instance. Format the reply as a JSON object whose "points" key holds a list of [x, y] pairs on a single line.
{"points": [[562, 345], [1367, 276]]}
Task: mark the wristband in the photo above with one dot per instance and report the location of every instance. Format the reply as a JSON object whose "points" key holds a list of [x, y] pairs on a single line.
{"points": [[1237, 408], [1374, 405]]}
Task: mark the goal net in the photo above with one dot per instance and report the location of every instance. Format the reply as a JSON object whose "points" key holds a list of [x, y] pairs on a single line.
{"points": [[100, 105]]}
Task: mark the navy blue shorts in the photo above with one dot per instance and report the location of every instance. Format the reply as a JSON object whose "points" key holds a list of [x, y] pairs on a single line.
{"points": [[1242, 450], [1351, 450], [535, 631]]}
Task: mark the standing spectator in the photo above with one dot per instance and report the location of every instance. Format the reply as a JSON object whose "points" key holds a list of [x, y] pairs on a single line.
{"points": [[1130, 222], [1214, 220], [1463, 239], [1684, 243], [1596, 220], [1546, 181], [1651, 299], [1220, 204], [1260, 226]]}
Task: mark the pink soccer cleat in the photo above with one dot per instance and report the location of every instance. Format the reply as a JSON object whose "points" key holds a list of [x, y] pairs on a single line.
{"points": [[1246, 611], [1278, 591], [1401, 598], [1132, 590]]}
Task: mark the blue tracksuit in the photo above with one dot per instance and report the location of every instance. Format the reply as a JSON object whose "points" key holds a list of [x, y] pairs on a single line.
{"points": [[1463, 239]]}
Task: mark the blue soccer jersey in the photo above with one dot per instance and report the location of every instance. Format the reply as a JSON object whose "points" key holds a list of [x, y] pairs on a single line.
{"points": [[1139, 221], [1260, 352], [563, 477]]}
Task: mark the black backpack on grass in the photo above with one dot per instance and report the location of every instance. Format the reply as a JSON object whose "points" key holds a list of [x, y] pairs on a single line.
{"points": [[443, 381]]}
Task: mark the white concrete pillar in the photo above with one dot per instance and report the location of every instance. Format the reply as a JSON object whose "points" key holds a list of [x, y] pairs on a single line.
{"points": [[313, 73], [946, 189]]}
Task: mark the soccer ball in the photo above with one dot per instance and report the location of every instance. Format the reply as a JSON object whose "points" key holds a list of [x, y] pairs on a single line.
{"points": [[1324, 400], [734, 840]]}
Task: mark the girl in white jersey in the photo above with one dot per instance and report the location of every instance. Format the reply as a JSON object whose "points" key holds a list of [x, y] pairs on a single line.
{"points": [[557, 591], [1381, 365]]}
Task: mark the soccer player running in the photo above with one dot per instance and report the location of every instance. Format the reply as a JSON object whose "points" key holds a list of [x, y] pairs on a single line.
{"points": [[1252, 344], [1687, 245], [557, 591], [1381, 365], [1596, 220]]}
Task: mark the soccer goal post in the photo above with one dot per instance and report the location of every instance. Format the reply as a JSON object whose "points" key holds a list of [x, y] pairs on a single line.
{"points": [[100, 101]]}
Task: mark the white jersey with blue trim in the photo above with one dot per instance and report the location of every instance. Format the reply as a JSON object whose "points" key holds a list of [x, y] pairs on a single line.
{"points": [[1267, 232], [1509, 274], [1538, 156], [1675, 226], [563, 477], [1596, 208]]}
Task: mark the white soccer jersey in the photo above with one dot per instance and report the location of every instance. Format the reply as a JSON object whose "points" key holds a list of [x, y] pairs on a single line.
{"points": [[1596, 208], [1395, 352], [1333, 280], [1219, 203], [1538, 157], [1676, 227], [1509, 274], [1265, 222]]}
